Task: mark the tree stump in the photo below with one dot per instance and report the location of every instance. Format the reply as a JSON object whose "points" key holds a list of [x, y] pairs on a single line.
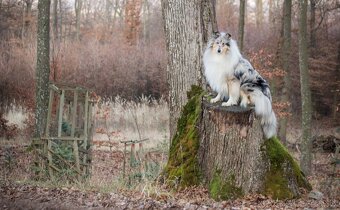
{"points": [[224, 149]]}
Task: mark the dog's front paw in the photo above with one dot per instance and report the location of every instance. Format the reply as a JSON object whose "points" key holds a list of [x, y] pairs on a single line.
{"points": [[229, 103], [214, 100]]}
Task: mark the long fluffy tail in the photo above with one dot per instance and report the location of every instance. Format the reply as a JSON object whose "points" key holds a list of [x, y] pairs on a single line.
{"points": [[263, 108], [268, 123]]}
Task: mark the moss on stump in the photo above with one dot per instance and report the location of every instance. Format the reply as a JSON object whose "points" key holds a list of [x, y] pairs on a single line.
{"points": [[284, 176], [182, 169], [224, 189], [273, 170]]}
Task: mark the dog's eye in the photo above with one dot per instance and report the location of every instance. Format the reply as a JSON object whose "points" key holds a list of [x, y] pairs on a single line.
{"points": [[223, 44], [228, 44]]}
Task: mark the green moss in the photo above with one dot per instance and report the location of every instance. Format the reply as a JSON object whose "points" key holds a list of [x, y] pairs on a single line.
{"points": [[182, 167], [220, 189], [282, 168]]}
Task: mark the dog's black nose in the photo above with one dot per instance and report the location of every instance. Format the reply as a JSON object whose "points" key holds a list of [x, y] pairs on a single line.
{"points": [[219, 51]]}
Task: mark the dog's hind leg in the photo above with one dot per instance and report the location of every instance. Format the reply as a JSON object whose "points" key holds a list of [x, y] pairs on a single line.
{"points": [[244, 99]]}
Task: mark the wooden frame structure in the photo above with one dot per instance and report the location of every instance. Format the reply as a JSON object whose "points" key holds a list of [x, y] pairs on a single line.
{"points": [[66, 143]]}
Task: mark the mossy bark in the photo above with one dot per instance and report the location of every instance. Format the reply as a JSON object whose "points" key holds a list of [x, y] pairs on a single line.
{"points": [[223, 148], [182, 169]]}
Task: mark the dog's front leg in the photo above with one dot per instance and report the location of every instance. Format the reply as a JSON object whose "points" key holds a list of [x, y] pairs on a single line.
{"points": [[217, 98], [234, 92]]}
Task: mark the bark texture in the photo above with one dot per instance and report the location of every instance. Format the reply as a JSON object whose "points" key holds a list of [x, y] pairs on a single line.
{"points": [[259, 13], [224, 149], [132, 20], [286, 55], [241, 21], [306, 143], [43, 66], [78, 5], [187, 25], [230, 140]]}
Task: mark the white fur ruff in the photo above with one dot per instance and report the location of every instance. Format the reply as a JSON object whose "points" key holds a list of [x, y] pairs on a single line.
{"points": [[220, 67]]}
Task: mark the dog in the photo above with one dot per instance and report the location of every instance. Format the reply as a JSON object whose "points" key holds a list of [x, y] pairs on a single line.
{"points": [[233, 77]]}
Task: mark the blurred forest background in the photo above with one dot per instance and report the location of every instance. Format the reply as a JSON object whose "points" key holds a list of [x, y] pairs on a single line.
{"points": [[117, 48]]}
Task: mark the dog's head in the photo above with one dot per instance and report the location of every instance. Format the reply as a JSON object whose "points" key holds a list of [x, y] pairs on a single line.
{"points": [[220, 43]]}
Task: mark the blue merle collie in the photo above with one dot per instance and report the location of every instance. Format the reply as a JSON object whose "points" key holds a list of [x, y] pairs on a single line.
{"points": [[233, 77]]}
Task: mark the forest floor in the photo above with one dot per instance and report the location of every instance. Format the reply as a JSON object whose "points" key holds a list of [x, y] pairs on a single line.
{"points": [[18, 191]]}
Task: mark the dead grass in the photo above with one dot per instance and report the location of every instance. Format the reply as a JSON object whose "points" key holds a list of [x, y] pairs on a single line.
{"points": [[117, 119]]}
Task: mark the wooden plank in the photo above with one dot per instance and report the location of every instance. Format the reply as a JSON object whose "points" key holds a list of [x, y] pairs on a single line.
{"points": [[75, 142], [76, 156], [74, 113], [64, 138], [50, 159], [86, 128], [61, 107], [50, 106], [65, 161]]}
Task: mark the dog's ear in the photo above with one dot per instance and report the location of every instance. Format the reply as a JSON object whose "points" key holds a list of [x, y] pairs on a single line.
{"points": [[228, 35], [216, 34]]}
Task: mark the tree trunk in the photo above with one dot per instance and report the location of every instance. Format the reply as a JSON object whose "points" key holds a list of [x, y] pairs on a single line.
{"points": [[312, 25], [27, 17], [222, 148], [271, 19], [235, 159], [241, 24], [259, 14], [61, 21], [132, 20], [146, 19], [108, 12], [286, 54], [55, 19], [78, 7], [336, 89], [43, 66], [306, 143], [186, 28]]}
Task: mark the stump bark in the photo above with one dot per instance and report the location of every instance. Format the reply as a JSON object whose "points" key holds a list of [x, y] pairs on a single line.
{"points": [[223, 148], [230, 146]]}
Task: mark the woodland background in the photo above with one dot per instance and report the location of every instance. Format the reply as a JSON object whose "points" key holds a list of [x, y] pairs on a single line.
{"points": [[90, 48], [117, 49]]}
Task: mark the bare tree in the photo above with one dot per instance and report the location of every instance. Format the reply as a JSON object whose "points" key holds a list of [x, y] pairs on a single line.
{"points": [[132, 20], [306, 143], [224, 146], [241, 23], [27, 18], [55, 19], [43, 66], [259, 13], [286, 55], [312, 23], [78, 4]]}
